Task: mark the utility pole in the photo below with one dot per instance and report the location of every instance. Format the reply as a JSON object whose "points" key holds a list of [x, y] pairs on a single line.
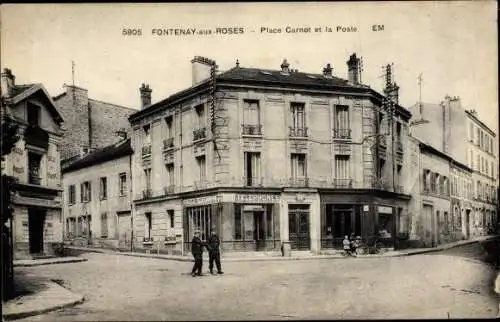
{"points": [[390, 88], [420, 93]]}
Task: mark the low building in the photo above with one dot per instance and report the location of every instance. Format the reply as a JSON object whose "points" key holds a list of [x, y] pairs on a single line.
{"points": [[34, 163], [97, 202], [268, 158]]}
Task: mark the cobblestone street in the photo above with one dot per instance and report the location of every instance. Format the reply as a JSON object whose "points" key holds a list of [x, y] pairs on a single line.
{"points": [[130, 288]]}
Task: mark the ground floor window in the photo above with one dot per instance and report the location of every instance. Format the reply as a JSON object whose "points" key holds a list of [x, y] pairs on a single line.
{"points": [[338, 221], [203, 218], [254, 227]]}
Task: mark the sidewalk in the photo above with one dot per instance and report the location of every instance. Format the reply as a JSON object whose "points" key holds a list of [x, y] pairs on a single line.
{"points": [[47, 261], [37, 296], [295, 255]]}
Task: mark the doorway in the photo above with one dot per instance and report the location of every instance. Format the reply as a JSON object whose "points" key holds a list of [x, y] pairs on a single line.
{"points": [[259, 230], [298, 227], [467, 223], [36, 223], [428, 225]]}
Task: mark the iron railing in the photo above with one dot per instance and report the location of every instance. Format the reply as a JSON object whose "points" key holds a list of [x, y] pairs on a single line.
{"points": [[380, 183], [298, 132], [168, 144], [299, 182], [147, 193], [199, 134], [344, 134], [252, 181], [399, 146], [34, 179], [169, 189], [251, 129], [342, 183], [146, 150]]}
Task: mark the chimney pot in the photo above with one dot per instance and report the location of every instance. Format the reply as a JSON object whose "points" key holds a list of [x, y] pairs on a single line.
{"points": [[145, 93], [285, 66], [353, 69], [327, 71]]}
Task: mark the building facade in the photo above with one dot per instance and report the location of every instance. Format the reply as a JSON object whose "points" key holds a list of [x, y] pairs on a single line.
{"points": [[268, 158], [97, 198], [459, 133], [34, 163], [90, 124]]}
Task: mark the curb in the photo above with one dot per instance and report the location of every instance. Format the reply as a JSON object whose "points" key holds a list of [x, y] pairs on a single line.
{"points": [[78, 299], [50, 263]]}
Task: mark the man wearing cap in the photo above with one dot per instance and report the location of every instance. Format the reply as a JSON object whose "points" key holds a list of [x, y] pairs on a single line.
{"points": [[197, 251], [214, 253]]}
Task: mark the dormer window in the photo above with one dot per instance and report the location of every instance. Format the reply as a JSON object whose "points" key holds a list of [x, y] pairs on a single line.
{"points": [[33, 114]]}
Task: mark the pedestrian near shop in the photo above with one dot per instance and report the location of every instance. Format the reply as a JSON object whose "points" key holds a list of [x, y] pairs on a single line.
{"points": [[214, 252], [197, 250]]}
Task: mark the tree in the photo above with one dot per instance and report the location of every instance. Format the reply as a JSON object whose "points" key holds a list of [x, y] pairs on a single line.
{"points": [[9, 138]]}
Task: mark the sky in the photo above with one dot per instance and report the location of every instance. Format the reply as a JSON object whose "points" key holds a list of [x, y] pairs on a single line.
{"points": [[452, 44]]}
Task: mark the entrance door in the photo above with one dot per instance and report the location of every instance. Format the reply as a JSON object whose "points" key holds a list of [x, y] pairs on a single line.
{"points": [[428, 225], [259, 230], [298, 225], [467, 223], [124, 230], [36, 221]]}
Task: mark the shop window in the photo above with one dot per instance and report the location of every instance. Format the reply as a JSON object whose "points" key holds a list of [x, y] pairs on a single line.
{"points": [[201, 218]]}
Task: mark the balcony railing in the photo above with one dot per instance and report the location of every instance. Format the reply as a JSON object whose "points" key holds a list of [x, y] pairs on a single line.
{"points": [[146, 150], [199, 134], [299, 182], [298, 132], [168, 144], [147, 239], [382, 141], [168, 190], [399, 189], [34, 179], [252, 181], [343, 134], [147, 193], [251, 129], [380, 184], [342, 183]]}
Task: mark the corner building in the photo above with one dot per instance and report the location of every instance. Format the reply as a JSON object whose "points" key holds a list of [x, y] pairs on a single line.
{"points": [[269, 158]]}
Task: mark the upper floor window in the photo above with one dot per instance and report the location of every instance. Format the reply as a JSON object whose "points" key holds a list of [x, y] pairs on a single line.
{"points": [[342, 128], [122, 182], [298, 115], [398, 131], [33, 114], [170, 174], [103, 188], [86, 192], [34, 175], [169, 126], [147, 134], [299, 167], [72, 194], [202, 168], [487, 143], [426, 180], [477, 136], [471, 132], [200, 116], [147, 176], [251, 117], [252, 168], [342, 167]]}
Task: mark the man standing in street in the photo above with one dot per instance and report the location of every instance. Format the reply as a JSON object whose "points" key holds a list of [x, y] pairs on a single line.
{"points": [[214, 253], [197, 251]]}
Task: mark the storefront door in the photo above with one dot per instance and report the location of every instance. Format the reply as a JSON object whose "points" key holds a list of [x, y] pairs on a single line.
{"points": [[298, 225], [36, 222], [259, 230]]}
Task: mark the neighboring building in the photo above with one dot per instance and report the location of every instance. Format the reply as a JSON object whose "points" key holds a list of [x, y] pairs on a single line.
{"points": [[440, 206], [458, 133], [90, 124], [97, 203], [281, 157], [34, 162]]}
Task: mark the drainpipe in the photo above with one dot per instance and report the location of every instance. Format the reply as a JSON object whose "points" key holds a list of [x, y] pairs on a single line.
{"points": [[181, 183], [131, 205]]}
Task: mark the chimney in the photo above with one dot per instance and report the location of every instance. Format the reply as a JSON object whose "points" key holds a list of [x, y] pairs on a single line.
{"points": [[353, 69], [8, 83], [327, 71], [145, 95], [285, 67], [201, 67]]}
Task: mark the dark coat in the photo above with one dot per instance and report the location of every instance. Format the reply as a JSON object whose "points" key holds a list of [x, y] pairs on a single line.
{"points": [[197, 246], [213, 243]]}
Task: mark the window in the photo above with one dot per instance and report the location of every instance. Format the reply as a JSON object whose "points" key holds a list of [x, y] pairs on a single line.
{"points": [[147, 176], [487, 143], [86, 192], [298, 165], [471, 132], [147, 134], [342, 167], [446, 222], [341, 122], [381, 124], [171, 217], [252, 168], [478, 162], [398, 174], [477, 136], [148, 226], [170, 174], [103, 188], [398, 131], [122, 181], [426, 180], [71, 194], [34, 175], [479, 190], [104, 225], [33, 114], [433, 182], [202, 218], [381, 168], [169, 126], [487, 169], [472, 159], [237, 224], [251, 116], [298, 127], [446, 190], [200, 121], [202, 168]]}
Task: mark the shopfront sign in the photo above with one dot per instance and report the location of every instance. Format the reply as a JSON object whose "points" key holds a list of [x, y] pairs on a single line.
{"points": [[256, 198], [207, 200], [384, 210], [253, 208]]}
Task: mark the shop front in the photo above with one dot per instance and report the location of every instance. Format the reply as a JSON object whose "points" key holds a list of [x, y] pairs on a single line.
{"points": [[366, 215], [243, 221]]}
